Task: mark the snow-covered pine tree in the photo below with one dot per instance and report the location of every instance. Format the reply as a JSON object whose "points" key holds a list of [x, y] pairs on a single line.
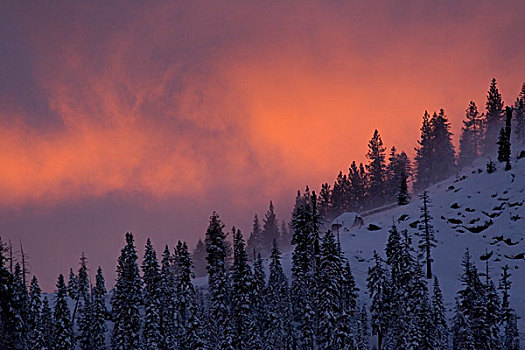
{"points": [[241, 301], [492, 317], [47, 325], [376, 169], [36, 339], [63, 338], [259, 303], [190, 334], [362, 333], [493, 118], [254, 243], [169, 298], [397, 170], [461, 332], [83, 300], [471, 136], [349, 291], [72, 285], [85, 318], [504, 147], [8, 320], [329, 301], [278, 328], [511, 337], [427, 239], [219, 327], [305, 267], [20, 304], [472, 308], [378, 290], [341, 196], [152, 299], [127, 299], [508, 317], [82, 278], [419, 313], [439, 319], [98, 325]]}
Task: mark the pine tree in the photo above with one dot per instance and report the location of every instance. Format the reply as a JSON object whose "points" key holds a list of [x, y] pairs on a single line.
{"points": [[439, 319], [127, 299], [85, 318], [151, 280], [72, 285], [504, 148], [258, 297], [330, 284], [254, 241], [398, 171], [341, 196], [462, 334], [199, 259], [443, 158], [47, 324], [376, 169], [325, 201], [471, 136], [363, 336], [190, 327], [402, 194], [242, 280], [220, 329], [20, 304], [424, 155], [305, 267], [377, 282], [492, 316], [511, 338], [420, 322], [427, 240], [63, 329], [34, 324], [98, 325], [270, 230], [168, 299], [278, 328], [493, 119], [9, 321], [519, 110], [358, 180]]}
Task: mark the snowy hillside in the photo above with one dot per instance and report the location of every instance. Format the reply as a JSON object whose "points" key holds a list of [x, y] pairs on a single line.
{"points": [[481, 211]]}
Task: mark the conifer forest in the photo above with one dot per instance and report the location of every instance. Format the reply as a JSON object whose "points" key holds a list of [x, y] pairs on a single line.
{"points": [[364, 262]]}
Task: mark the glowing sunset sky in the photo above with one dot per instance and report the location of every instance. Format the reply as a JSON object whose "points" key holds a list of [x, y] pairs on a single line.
{"points": [[146, 116]]}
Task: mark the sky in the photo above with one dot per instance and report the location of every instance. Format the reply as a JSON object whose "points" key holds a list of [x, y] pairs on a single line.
{"points": [[147, 116]]}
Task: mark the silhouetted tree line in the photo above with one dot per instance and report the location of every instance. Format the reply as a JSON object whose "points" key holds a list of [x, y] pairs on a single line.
{"points": [[384, 181]]}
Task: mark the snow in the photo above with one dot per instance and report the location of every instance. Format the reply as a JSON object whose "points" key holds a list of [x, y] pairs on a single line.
{"points": [[484, 212]]}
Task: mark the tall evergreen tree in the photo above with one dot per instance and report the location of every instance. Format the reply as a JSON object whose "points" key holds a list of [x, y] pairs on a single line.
{"points": [[63, 338], [255, 240], [98, 325], [378, 290], [220, 329], [443, 151], [471, 136], [402, 193], [358, 187], [152, 299], [260, 312], [398, 171], [493, 118], [242, 280], [504, 148], [330, 304], [34, 324], [20, 303], [519, 110], [9, 322], [305, 267], [270, 230], [424, 155], [427, 239], [439, 319], [325, 201], [127, 300], [376, 169], [47, 324], [362, 333], [278, 328], [169, 300]]}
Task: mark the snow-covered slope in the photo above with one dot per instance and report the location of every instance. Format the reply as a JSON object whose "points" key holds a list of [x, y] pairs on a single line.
{"points": [[481, 211]]}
